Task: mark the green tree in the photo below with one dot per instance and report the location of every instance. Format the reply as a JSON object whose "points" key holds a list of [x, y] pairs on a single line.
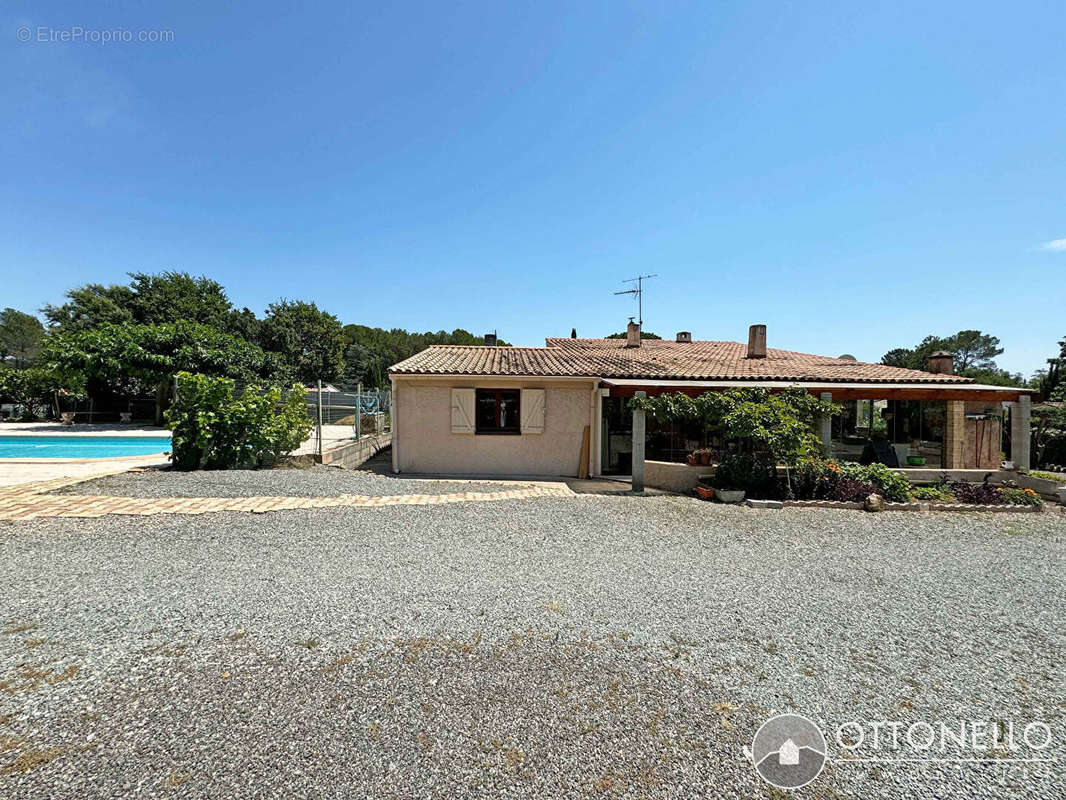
{"points": [[777, 426], [35, 388], [768, 428], [310, 341], [245, 324], [973, 351], [1050, 381], [643, 335], [148, 299], [172, 296], [134, 360], [89, 306], [1049, 434], [21, 336], [369, 352]]}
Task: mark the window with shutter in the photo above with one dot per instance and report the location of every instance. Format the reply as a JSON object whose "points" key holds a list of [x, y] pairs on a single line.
{"points": [[498, 411], [532, 410], [462, 410]]}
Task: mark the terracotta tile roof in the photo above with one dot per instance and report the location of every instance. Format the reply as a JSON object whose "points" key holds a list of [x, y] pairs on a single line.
{"points": [[610, 358]]}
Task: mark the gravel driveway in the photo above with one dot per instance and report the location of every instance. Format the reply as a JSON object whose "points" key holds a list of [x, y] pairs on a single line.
{"points": [[315, 481], [560, 647]]}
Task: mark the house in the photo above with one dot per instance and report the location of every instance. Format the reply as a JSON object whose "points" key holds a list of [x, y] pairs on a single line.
{"points": [[561, 409]]}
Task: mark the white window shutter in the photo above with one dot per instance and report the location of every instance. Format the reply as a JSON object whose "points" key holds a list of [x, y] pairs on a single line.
{"points": [[462, 410], [532, 403]]}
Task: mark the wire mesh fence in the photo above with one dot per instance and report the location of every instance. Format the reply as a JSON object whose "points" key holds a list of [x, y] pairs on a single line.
{"points": [[343, 415]]}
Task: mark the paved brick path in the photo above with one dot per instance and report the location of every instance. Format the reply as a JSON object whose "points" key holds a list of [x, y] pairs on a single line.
{"points": [[31, 501]]}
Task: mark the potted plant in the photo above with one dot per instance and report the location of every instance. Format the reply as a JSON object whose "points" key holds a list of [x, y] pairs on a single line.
{"points": [[705, 457], [732, 476], [692, 459]]}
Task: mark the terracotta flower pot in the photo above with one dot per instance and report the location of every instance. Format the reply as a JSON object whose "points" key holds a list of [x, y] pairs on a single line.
{"points": [[704, 492], [705, 458], [691, 460]]}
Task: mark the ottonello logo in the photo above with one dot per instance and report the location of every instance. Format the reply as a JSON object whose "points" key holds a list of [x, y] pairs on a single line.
{"points": [[788, 751]]}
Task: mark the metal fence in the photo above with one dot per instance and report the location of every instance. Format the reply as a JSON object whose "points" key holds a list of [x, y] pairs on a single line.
{"points": [[341, 415]]}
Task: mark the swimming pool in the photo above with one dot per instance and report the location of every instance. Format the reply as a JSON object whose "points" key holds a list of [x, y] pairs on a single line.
{"points": [[82, 446]]}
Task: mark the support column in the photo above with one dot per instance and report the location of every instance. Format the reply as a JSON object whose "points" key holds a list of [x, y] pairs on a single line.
{"points": [[827, 427], [393, 405], [638, 446], [597, 424], [1020, 415], [954, 433]]}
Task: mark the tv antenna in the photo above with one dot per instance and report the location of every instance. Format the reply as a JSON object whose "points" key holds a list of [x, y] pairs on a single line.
{"points": [[639, 292]]}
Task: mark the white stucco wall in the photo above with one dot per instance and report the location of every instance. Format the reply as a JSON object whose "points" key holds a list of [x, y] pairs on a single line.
{"points": [[424, 440]]}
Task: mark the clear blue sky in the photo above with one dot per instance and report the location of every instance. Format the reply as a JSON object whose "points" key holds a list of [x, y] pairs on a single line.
{"points": [[855, 177]]}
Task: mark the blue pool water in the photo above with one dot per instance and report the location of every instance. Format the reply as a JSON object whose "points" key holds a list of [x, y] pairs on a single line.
{"points": [[81, 446]]}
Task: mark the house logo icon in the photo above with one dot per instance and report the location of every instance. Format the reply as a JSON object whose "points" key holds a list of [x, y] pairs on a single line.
{"points": [[788, 751]]}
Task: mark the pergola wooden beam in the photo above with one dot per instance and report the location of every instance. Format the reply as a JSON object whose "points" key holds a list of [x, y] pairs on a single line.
{"points": [[842, 394]]}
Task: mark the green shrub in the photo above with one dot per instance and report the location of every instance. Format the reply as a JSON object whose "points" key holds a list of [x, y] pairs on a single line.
{"points": [[819, 479], [1047, 476], [215, 429], [934, 493], [1020, 497], [744, 471], [892, 485]]}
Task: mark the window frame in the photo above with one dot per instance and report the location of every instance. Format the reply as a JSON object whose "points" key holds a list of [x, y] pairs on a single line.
{"points": [[496, 430]]}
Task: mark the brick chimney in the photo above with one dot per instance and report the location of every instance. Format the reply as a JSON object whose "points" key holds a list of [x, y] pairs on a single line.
{"points": [[942, 363], [684, 337], [757, 341], [490, 340], [633, 334]]}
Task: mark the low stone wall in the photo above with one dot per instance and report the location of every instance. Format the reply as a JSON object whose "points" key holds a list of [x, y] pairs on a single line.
{"points": [[1049, 490], [355, 452], [922, 506], [673, 477]]}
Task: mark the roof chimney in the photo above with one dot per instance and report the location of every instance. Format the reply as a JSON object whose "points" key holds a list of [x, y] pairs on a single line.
{"points": [[633, 334], [490, 340], [757, 341], [942, 363], [684, 337]]}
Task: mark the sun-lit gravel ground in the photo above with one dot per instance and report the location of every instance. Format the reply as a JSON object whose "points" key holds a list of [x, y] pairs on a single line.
{"points": [[551, 648], [315, 481]]}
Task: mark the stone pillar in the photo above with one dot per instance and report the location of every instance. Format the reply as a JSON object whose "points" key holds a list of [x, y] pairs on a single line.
{"points": [[638, 447], [954, 434], [1020, 413], [827, 427]]}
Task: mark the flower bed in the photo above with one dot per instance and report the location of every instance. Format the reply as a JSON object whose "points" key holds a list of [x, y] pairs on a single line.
{"points": [[846, 482]]}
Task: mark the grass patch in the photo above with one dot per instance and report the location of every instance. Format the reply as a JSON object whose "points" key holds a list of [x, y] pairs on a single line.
{"points": [[310, 644], [19, 627], [176, 779], [31, 759], [26, 678], [337, 663]]}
